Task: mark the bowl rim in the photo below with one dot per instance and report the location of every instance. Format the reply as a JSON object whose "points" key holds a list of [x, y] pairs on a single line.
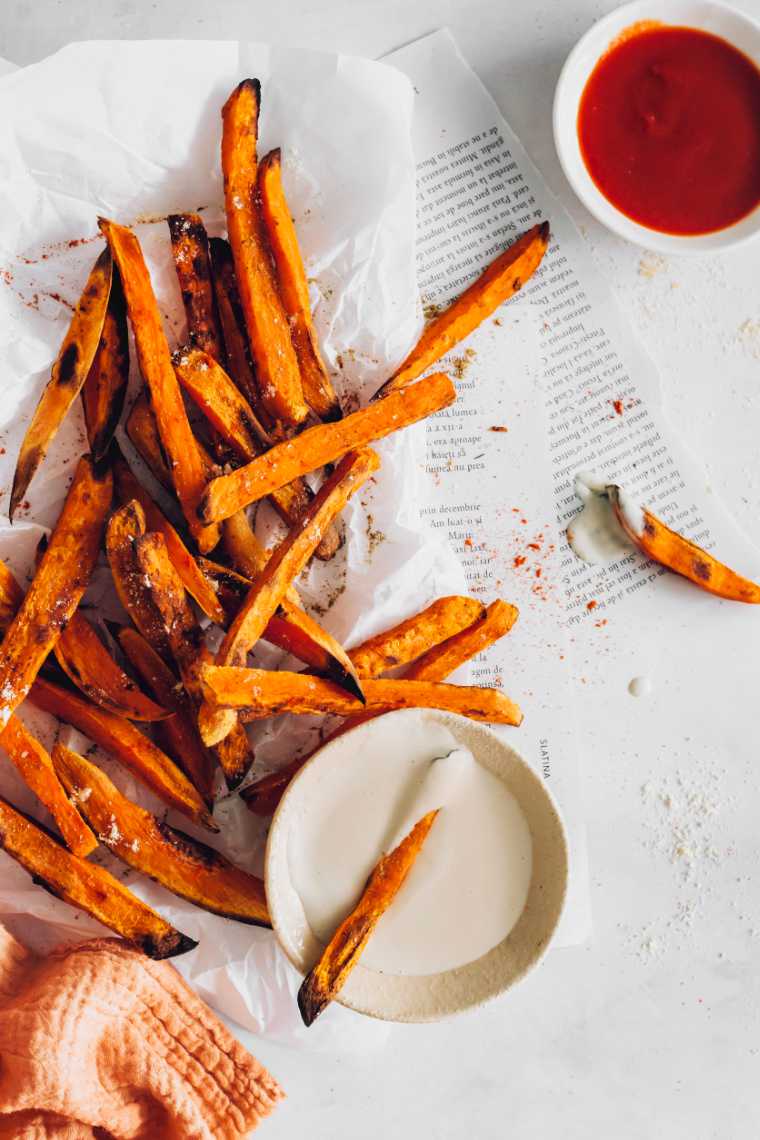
{"points": [[272, 873], [599, 206]]}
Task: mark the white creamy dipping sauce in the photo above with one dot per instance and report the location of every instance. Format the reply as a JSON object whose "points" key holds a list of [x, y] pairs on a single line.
{"points": [[469, 883], [595, 534]]}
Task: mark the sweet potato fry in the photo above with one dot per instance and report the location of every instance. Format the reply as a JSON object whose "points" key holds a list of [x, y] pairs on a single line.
{"points": [[498, 282], [232, 321], [185, 640], [36, 769], [440, 661], [11, 596], [86, 661], [67, 377], [322, 444], [87, 886], [410, 638], [143, 434], [294, 290], [326, 979], [127, 744], [193, 266], [128, 487], [58, 584], [663, 545], [181, 864], [106, 384], [177, 440], [285, 563], [277, 370], [178, 735], [124, 528], [259, 693]]}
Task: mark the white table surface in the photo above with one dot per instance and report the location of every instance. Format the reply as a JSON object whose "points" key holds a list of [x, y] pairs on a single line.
{"points": [[653, 1029]]}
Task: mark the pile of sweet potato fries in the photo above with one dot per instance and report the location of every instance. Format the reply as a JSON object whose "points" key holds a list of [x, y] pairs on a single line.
{"points": [[150, 692]]}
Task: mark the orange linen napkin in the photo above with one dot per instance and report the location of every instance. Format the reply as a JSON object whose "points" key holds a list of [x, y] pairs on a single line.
{"points": [[98, 1042]]}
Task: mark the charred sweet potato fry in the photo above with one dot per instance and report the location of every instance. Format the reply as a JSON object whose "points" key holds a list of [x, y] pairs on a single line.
{"points": [[279, 378], [36, 769], [178, 734], [183, 865], [87, 886], [106, 384], [193, 266], [58, 584], [663, 545], [294, 290], [410, 638], [125, 526], [438, 663], [322, 444], [258, 693], [195, 582], [127, 744], [326, 979], [11, 596], [498, 282], [143, 434], [231, 318], [185, 640], [67, 377], [285, 563], [177, 440]]}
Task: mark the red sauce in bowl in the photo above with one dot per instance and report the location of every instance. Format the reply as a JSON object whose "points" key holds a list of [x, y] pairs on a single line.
{"points": [[669, 130]]}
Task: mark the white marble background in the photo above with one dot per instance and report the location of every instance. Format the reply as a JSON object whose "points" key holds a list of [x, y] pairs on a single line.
{"points": [[651, 1032]]}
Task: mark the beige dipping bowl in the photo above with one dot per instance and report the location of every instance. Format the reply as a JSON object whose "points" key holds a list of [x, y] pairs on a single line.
{"points": [[429, 997]]}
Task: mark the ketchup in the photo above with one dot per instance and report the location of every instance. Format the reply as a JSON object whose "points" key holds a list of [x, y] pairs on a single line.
{"points": [[669, 130]]}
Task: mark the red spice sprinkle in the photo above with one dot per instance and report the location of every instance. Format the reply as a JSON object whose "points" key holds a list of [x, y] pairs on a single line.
{"points": [[600, 624], [498, 427], [468, 543], [591, 606], [618, 406], [534, 546], [538, 572], [524, 522], [519, 559]]}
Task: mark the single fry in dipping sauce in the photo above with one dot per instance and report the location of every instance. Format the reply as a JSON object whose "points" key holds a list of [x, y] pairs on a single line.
{"points": [[324, 443], [279, 378], [657, 541], [259, 693], [87, 886], [283, 242], [106, 385], [36, 769], [177, 440], [498, 282], [326, 979], [180, 863], [59, 582], [67, 377]]}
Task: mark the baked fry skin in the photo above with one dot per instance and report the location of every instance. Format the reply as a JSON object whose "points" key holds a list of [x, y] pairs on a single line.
{"points": [[497, 283], [178, 735], [437, 664], [259, 693], [11, 596], [180, 863], [68, 374], [128, 487], [294, 290], [88, 887], [270, 588], [59, 582], [193, 266], [278, 376], [663, 545], [36, 769], [322, 444], [126, 744], [328, 976], [125, 526], [106, 385], [410, 638], [143, 435], [239, 365], [177, 440]]}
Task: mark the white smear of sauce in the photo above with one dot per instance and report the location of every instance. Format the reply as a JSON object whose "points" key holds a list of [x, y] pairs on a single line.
{"points": [[595, 535], [640, 686], [469, 883]]}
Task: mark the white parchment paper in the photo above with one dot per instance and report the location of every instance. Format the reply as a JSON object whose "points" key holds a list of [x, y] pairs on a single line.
{"points": [[132, 130]]}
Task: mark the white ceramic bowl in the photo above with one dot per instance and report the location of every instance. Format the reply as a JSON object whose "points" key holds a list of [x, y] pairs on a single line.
{"points": [[430, 997], [738, 29]]}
